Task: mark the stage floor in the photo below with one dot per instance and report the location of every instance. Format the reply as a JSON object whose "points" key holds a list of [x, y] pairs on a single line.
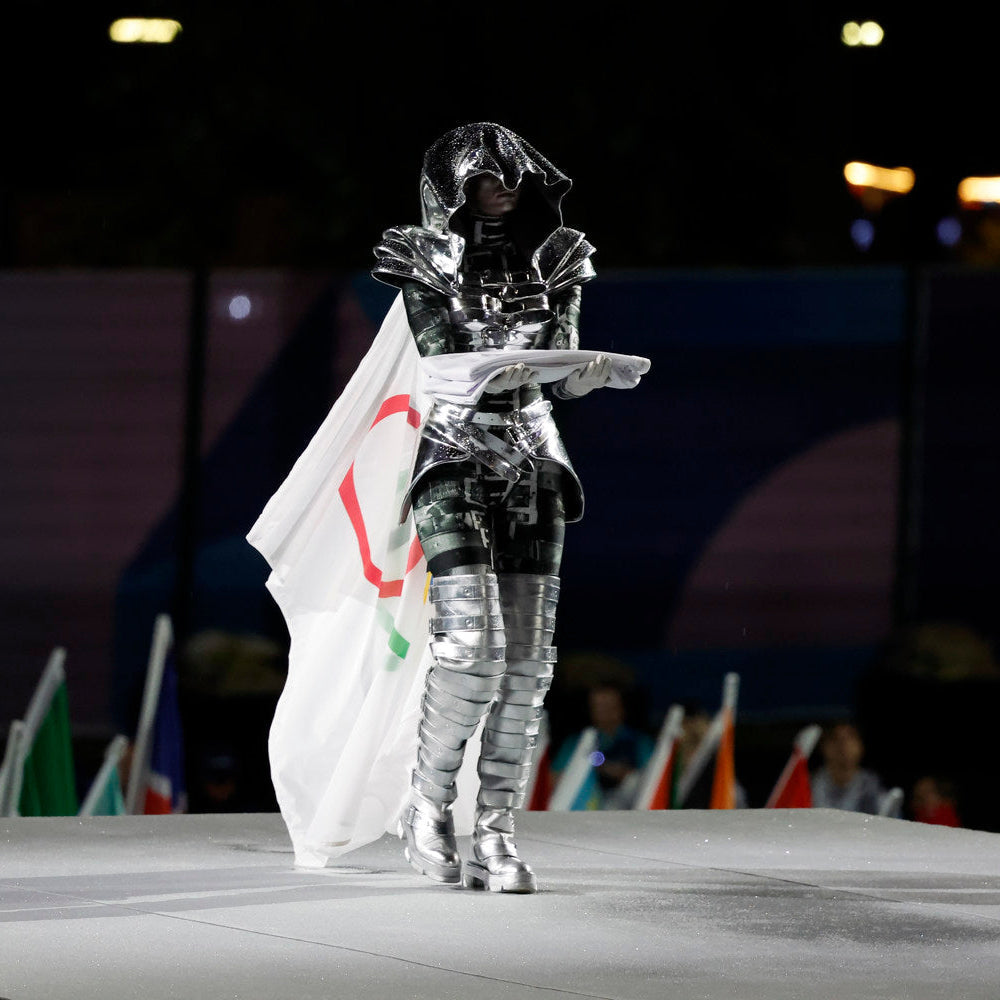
{"points": [[687, 904]]}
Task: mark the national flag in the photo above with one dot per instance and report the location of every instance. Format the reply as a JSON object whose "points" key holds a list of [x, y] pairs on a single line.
{"points": [[709, 779], [105, 797], [793, 790], [540, 784], [166, 789], [156, 775], [43, 780], [577, 786], [724, 779], [658, 787]]}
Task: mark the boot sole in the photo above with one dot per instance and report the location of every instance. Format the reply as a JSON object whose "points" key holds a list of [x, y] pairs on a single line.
{"points": [[475, 876], [447, 875]]}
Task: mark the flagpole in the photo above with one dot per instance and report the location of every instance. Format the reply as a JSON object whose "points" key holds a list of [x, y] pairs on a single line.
{"points": [[891, 803], [53, 675], [162, 636], [13, 769], [730, 692]]}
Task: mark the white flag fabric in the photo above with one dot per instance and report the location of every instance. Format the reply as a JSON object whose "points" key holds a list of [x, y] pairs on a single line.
{"points": [[351, 583], [461, 378]]}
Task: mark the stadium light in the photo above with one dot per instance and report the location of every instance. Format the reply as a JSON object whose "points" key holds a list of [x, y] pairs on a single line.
{"points": [[867, 34], [976, 191], [156, 30], [892, 180]]}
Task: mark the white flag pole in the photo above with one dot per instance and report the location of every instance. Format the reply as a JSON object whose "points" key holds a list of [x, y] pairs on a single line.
{"points": [[53, 675], [12, 773], [139, 769], [891, 803]]}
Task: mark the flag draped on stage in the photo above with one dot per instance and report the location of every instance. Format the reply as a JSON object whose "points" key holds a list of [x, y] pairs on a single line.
{"points": [[351, 582]]}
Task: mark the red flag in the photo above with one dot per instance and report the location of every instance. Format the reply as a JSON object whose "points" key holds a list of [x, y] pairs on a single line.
{"points": [[541, 790], [793, 790], [663, 794], [796, 792]]}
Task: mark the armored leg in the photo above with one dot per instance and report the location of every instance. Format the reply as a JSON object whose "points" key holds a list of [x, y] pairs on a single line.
{"points": [[468, 644], [528, 602]]}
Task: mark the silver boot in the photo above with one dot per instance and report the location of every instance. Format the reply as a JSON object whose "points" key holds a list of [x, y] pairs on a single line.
{"points": [[469, 647], [510, 735]]}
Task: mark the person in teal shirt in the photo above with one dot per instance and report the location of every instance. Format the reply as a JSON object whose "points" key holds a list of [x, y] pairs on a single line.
{"points": [[622, 751]]}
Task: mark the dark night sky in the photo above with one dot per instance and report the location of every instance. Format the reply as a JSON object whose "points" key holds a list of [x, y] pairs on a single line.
{"points": [[292, 135]]}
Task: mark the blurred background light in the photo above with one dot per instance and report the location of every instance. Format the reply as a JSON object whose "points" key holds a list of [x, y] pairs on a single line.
{"points": [[862, 233], [850, 34], [155, 30], [949, 231], [239, 306], [897, 180], [974, 191], [871, 33], [868, 33]]}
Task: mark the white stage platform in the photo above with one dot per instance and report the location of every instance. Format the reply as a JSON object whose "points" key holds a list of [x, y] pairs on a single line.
{"points": [[688, 904]]}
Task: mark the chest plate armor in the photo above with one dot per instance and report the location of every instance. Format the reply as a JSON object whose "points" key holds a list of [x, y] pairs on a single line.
{"points": [[494, 302], [491, 310]]}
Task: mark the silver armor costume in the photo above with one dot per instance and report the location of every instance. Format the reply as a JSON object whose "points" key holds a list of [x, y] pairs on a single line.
{"points": [[492, 485]]}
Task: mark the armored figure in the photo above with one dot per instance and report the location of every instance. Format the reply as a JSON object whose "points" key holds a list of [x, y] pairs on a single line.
{"points": [[491, 268]]}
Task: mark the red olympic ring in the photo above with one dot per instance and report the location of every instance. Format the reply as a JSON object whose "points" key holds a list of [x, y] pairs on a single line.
{"points": [[349, 495]]}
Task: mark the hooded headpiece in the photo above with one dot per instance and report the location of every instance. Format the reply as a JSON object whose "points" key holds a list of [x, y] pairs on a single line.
{"points": [[485, 148], [432, 254]]}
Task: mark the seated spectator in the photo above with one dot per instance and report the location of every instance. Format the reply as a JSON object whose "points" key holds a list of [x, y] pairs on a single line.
{"points": [[933, 801], [842, 783], [621, 749]]}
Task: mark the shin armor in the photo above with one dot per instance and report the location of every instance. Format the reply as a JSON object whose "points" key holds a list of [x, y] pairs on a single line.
{"points": [[528, 602], [468, 644]]}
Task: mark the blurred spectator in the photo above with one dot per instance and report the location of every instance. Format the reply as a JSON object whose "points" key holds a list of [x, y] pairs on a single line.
{"points": [[842, 783], [693, 732], [218, 785], [933, 801], [623, 749]]}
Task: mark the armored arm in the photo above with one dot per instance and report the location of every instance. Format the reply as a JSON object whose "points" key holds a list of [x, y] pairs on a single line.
{"points": [[427, 313], [567, 332], [567, 337]]}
